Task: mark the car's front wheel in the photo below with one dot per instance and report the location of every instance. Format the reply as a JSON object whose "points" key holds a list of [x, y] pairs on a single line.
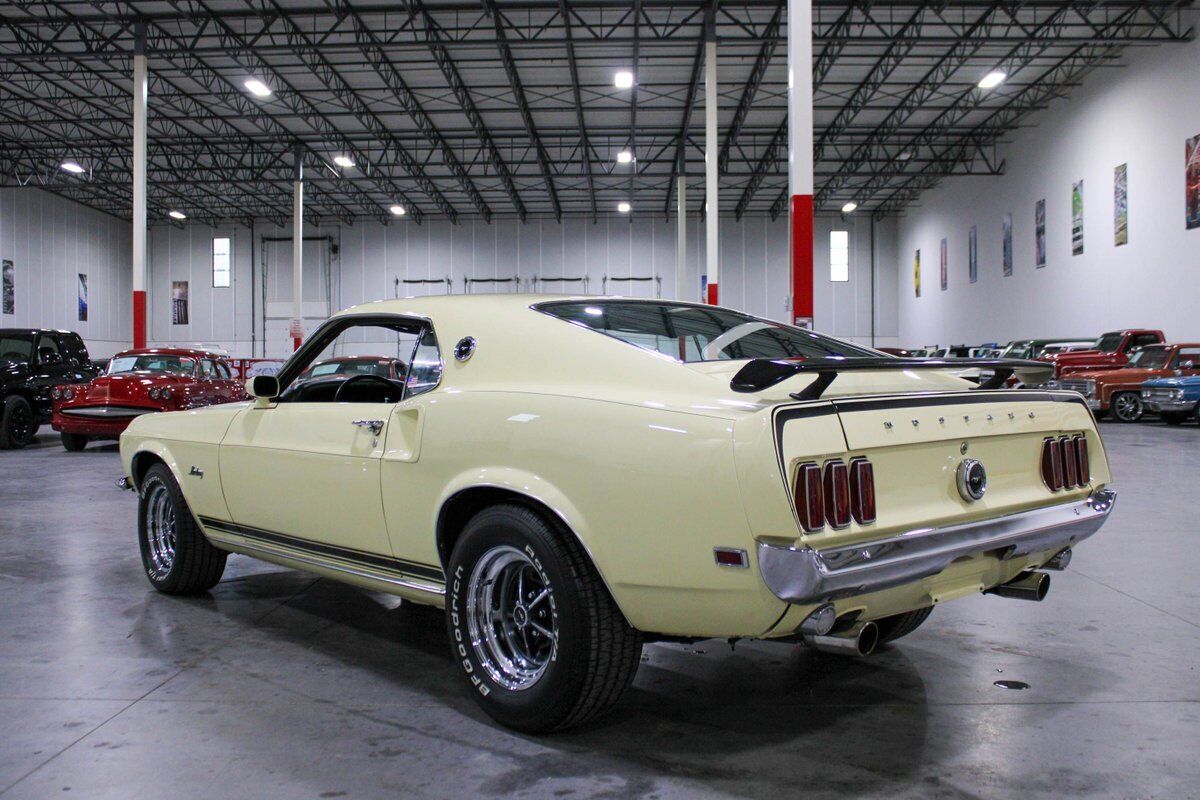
{"points": [[74, 442], [1127, 407], [176, 556], [531, 624], [16, 423]]}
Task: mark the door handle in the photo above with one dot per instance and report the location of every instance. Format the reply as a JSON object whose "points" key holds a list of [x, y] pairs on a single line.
{"points": [[374, 425]]}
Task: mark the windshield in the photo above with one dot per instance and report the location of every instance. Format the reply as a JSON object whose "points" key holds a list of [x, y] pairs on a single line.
{"points": [[1016, 350], [16, 348], [1109, 342], [1149, 358], [699, 333], [176, 365], [364, 367]]}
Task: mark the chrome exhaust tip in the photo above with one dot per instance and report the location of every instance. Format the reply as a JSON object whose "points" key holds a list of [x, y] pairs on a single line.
{"points": [[1026, 586], [860, 639], [1059, 560]]}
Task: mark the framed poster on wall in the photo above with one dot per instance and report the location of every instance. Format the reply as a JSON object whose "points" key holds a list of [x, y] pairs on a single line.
{"points": [[179, 302], [1008, 262], [973, 255], [10, 292], [1039, 233], [1077, 218], [1191, 177], [945, 259], [82, 297], [917, 273], [1121, 205]]}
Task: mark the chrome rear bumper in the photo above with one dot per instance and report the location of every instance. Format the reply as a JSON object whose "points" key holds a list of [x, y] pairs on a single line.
{"points": [[803, 575]]}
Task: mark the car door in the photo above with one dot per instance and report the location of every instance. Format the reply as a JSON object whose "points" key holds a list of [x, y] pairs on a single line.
{"points": [[1187, 361], [303, 470], [50, 367]]}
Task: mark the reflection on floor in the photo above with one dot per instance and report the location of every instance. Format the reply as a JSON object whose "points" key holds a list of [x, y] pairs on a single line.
{"points": [[282, 685]]}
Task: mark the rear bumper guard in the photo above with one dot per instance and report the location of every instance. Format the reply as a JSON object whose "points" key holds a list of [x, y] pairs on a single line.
{"points": [[803, 575]]}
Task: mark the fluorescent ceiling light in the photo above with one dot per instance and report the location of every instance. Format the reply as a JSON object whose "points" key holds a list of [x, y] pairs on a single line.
{"points": [[849, 207], [71, 166], [993, 79], [398, 210], [623, 79], [904, 156], [624, 157], [624, 207], [257, 87], [343, 161], [176, 215]]}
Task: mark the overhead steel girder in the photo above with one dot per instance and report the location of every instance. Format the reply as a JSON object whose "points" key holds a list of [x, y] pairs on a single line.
{"points": [[710, 11], [585, 145], [518, 90], [441, 55], [765, 53], [244, 54]]}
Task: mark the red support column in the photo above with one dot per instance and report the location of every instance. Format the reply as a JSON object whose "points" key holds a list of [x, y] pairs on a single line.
{"points": [[800, 159], [800, 235], [139, 319]]}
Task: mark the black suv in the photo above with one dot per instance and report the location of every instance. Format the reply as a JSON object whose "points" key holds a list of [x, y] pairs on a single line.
{"points": [[32, 362]]}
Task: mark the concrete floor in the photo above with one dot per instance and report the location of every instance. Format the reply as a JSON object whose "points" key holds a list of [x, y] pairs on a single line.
{"points": [[282, 685]]}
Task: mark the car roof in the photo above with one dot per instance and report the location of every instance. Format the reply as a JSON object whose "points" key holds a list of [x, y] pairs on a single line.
{"points": [[167, 351]]}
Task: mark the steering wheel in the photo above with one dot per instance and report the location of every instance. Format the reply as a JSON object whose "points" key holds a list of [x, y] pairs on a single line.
{"points": [[367, 376]]}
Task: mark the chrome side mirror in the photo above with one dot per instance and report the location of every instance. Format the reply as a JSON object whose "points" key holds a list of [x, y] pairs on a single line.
{"points": [[263, 387]]}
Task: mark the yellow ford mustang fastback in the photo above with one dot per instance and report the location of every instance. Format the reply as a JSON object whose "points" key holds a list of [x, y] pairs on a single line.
{"points": [[572, 477]]}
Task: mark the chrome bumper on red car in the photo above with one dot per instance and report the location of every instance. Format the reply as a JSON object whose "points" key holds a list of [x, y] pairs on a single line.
{"points": [[803, 575]]}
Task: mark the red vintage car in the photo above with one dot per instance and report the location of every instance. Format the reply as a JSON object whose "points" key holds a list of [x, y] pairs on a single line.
{"points": [[137, 382], [1111, 351]]}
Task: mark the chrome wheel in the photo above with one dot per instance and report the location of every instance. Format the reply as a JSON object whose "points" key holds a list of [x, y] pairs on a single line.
{"points": [[160, 529], [511, 618], [1127, 407]]}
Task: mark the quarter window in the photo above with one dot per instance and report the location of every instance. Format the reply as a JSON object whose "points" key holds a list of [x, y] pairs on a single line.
{"points": [[220, 262]]}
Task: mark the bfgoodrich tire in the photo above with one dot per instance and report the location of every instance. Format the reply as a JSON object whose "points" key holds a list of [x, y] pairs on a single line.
{"points": [[74, 442], [16, 423], [531, 624], [175, 555], [892, 628]]}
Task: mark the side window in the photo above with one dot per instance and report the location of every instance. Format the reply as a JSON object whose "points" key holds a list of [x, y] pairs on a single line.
{"points": [[208, 370], [1142, 340], [1187, 354], [426, 369], [361, 363], [223, 371], [47, 349], [72, 348]]}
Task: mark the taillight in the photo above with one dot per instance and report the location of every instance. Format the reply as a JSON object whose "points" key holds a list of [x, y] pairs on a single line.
{"points": [[1081, 458], [1052, 472], [809, 498], [1070, 475], [837, 494], [862, 491]]}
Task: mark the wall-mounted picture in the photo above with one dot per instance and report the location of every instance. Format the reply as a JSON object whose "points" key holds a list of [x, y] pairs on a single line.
{"points": [[179, 302], [945, 259], [1008, 263], [917, 273], [1192, 181], [1077, 218], [973, 255], [10, 292], [1121, 205], [83, 300], [1039, 233]]}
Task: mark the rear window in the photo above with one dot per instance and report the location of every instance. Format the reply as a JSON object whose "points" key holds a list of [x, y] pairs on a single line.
{"points": [[691, 333]]}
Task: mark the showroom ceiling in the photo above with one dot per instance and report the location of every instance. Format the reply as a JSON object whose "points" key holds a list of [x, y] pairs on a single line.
{"points": [[452, 109]]}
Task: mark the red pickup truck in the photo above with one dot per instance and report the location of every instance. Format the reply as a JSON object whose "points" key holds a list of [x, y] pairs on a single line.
{"points": [[1111, 351]]}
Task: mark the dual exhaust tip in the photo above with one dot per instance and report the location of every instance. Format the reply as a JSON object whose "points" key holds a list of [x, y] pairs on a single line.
{"points": [[861, 638]]}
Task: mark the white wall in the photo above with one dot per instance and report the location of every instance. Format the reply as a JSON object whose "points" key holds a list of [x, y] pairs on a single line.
{"points": [[1140, 114], [50, 240], [371, 257]]}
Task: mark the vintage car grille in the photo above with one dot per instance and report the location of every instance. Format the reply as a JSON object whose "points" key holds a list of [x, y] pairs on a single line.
{"points": [[1073, 386], [1159, 393], [109, 412]]}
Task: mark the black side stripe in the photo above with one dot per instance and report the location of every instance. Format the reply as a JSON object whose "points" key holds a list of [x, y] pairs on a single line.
{"points": [[413, 568]]}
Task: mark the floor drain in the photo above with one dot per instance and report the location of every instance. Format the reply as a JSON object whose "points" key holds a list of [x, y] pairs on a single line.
{"points": [[1011, 684]]}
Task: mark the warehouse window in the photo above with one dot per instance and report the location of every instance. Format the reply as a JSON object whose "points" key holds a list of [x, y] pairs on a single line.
{"points": [[220, 253], [839, 256]]}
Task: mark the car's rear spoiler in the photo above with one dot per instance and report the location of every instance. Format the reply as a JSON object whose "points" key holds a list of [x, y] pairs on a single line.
{"points": [[763, 373]]}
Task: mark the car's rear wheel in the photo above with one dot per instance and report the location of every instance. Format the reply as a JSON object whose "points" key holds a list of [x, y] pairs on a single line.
{"points": [[74, 442], [1173, 417], [892, 628], [531, 624], [1127, 406], [16, 423], [177, 557]]}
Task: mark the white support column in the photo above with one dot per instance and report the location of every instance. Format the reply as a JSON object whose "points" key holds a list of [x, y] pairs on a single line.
{"points": [[712, 215], [681, 281], [800, 158], [297, 326], [140, 101]]}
